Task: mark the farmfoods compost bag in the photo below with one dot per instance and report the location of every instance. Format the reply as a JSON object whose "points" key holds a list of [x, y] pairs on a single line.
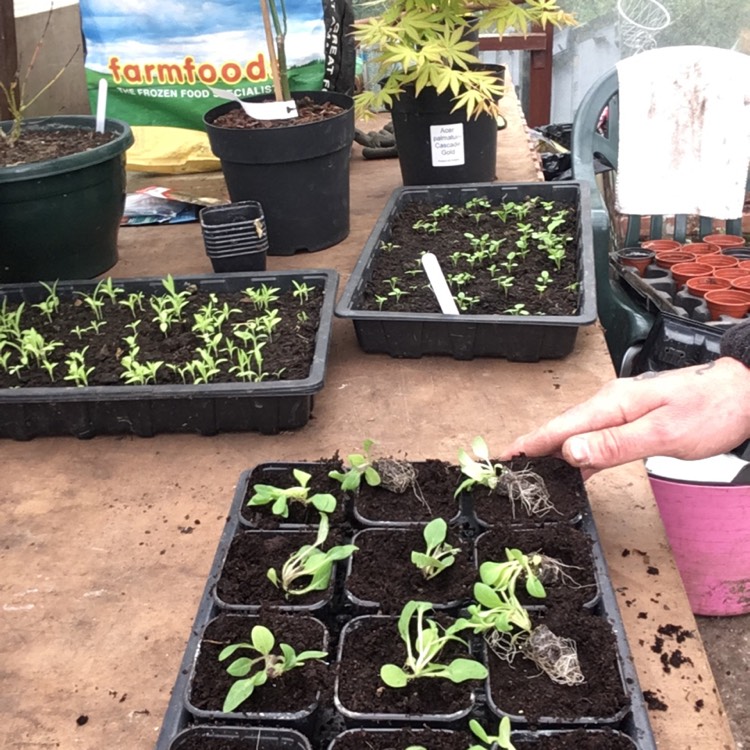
{"points": [[159, 58]]}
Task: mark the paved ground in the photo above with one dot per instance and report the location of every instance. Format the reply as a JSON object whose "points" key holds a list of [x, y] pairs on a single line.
{"points": [[727, 643]]}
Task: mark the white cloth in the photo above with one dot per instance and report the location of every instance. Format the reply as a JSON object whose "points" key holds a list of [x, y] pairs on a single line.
{"points": [[684, 143]]}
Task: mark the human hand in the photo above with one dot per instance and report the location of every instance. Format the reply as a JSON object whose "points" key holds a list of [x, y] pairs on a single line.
{"points": [[691, 413]]}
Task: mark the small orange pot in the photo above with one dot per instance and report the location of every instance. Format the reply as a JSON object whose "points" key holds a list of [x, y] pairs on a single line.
{"points": [[699, 285], [732, 302], [744, 264], [668, 258], [681, 272], [701, 248], [636, 257], [742, 283], [730, 273], [659, 246], [725, 240], [720, 261]]}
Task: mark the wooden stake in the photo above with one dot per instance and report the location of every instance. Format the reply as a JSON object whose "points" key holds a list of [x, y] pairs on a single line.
{"points": [[274, 63]]}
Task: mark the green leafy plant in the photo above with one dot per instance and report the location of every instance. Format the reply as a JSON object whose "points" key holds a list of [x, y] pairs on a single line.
{"points": [[361, 466], [255, 671], [499, 741], [425, 44], [438, 555], [310, 568], [523, 486], [280, 499], [423, 648]]}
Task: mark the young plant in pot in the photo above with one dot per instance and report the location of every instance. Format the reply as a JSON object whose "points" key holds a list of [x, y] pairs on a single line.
{"points": [[443, 102], [291, 154], [62, 187]]}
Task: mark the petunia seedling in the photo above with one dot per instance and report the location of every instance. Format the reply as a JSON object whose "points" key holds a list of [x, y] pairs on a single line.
{"points": [[360, 467], [299, 493], [257, 670], [438, 555], [499, 741], [424, 639], [310, 568]]}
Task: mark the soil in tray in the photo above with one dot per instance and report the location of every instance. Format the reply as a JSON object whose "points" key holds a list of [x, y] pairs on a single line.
{"points": [[296, 690], [243, 579], [567, 545], [280, 475], [382, 570], [578, 739], [398, 739], [521, 689], [287, 355], [430, 497], [563, 482], [369, 643], [400, 261]]}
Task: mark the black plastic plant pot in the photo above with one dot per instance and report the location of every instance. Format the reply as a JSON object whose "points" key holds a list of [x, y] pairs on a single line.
{"points": [[268, 406], [299, 173], [210, 737], [576, 579], [235, 236], [291, 700], [431, 495], [529, 698], [370, 738], [238, 262], [299, 517], [381, 578], [521, 338], [60, 217], [437, 146], [362, 698], [242, 584]]}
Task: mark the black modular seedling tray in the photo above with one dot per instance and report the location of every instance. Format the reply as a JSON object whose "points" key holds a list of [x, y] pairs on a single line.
{"points": [[145, 410], [634, 722], [519, 338]]}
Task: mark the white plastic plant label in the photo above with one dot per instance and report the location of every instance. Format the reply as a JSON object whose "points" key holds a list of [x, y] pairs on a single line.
{"points": [[447, 145]]}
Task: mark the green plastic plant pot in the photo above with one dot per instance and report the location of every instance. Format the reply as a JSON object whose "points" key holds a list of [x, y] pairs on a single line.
{"points": [[59, 218]]}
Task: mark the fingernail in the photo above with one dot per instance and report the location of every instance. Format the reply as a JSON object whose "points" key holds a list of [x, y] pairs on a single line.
{"points": [[578, 450]]}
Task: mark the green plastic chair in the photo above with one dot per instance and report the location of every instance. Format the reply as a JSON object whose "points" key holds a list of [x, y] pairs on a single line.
{"points": [[623, 315]]}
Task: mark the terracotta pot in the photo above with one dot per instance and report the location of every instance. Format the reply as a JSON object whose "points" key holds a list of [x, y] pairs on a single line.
{"points": [[699, 285], [661, 245], [668, 258], [719, 261], [741, 282], [701, 248], [730, 273], [636, 257], [681, 272], [732, 302], [725, 240], [745, 264]]}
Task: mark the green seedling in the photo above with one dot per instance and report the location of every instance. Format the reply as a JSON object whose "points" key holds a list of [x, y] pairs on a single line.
{"points": [[310, 568], [424, 639], [396, 292], [518, 309], [465, 301], [360, 466], [255, 671], [50, 305], [78, 373], [438, 555], [430, 227], [524, 486], [542, 282], [262, 296], [499, 741], [136, 373], [96, 304], [505, 283], [134, 301], [302, 291], [504, 576], [106, 288], [300, 493]]}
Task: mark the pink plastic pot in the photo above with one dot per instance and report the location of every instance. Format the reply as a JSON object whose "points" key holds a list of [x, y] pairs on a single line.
{"points": [[725, 240], [659, 246], [708, 527]]}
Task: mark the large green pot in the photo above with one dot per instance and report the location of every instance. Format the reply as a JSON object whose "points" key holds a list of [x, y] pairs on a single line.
{"points": [[59, 218]]}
